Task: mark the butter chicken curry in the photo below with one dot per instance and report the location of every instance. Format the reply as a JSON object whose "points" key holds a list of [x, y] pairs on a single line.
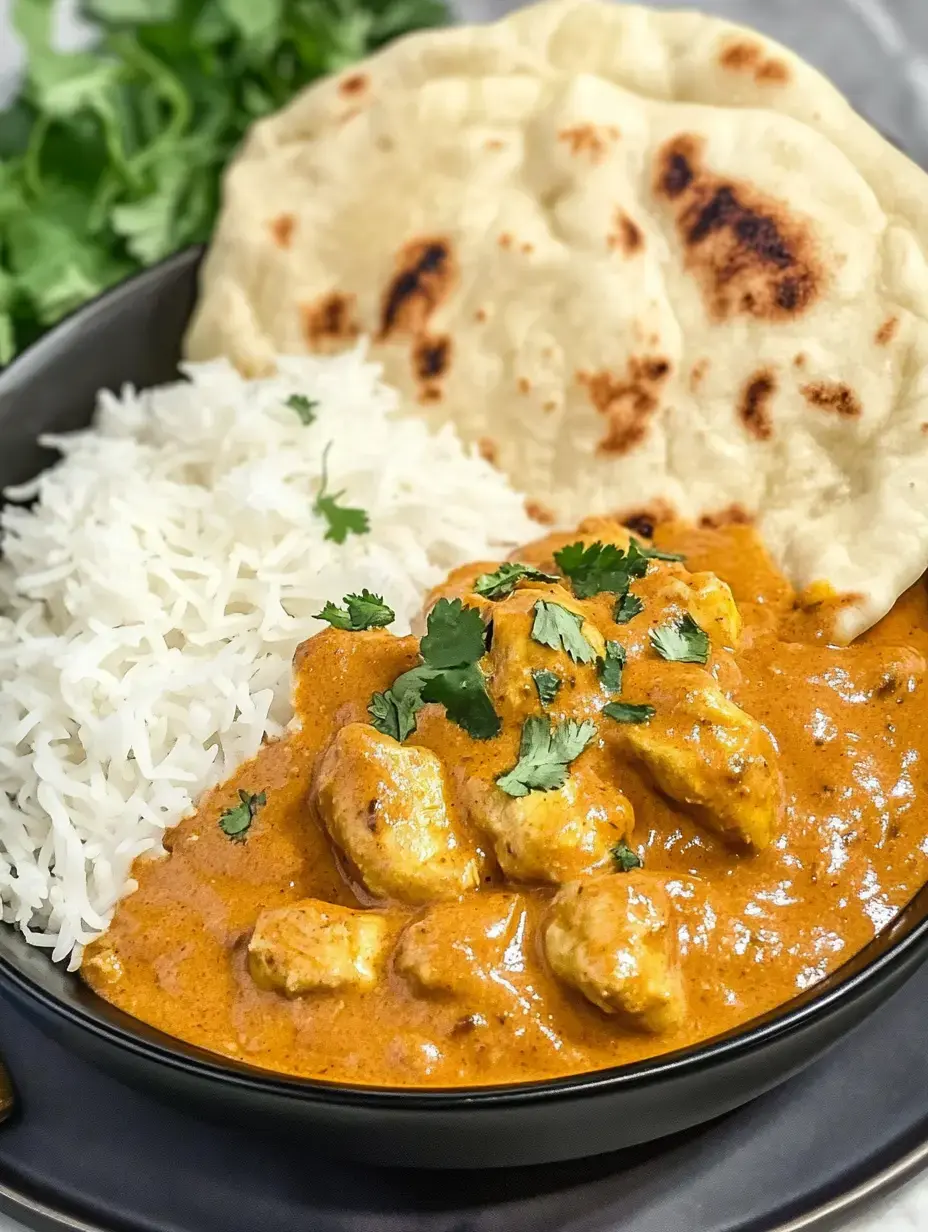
{"points": [[618, 798]]}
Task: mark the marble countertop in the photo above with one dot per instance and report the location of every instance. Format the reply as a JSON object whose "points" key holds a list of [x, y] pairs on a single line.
{"points": [[877, 52]]}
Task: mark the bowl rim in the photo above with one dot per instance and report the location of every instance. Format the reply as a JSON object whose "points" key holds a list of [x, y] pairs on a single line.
{"points": [[154, 1045]]}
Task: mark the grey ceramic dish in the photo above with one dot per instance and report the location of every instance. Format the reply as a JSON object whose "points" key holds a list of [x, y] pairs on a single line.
{"points": [[133, 334]]}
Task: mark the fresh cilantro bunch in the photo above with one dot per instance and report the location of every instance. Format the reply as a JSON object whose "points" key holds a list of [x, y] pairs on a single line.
{"points": [[111, 158]]}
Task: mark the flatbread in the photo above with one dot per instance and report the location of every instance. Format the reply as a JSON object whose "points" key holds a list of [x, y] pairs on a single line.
{"points": [[646, 260]]}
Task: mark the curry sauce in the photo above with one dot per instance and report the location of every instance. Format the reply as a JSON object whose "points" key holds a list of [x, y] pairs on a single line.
{"points": [[470, 987]]}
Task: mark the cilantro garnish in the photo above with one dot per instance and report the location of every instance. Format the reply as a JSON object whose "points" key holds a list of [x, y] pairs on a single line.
{"points": [[681, 641], [601, 567], [363, 611], [627, 608], [559, 628], [652, 553], [456, 635], [625, 859], [503, 582], [304, 407], [236, 821], [450, 675], [545, 752], [111, 157], [548, 685], [627, 712], [342, 519], [610, 668]]}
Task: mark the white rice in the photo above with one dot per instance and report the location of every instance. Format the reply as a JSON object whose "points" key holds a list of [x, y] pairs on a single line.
{"points": [[154, 593]]}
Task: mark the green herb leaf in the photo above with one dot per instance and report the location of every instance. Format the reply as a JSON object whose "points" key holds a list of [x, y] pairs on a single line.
{"points": [[559, 628], [139, 127], [363, 611], [653, 553], [627, 608], [626, 712], [394, 712], [343, 520], [610, 668], [545, 752], [600, 567], [503, 582], [625, 859], [236, 822], [461, 690], [304, 407], [681, 641], [463, 693], [456, 635], [548, 685]]}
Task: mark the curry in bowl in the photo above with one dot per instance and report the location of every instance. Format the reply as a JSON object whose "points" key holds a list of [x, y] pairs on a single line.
{"points": [[617, 799]]}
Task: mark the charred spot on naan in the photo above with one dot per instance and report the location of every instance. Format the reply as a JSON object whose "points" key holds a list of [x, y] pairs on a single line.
{"points": [[330, 322], [426, 273], [628, 401], [833, 396], [540, 513], [754, 404], [626, 236], [744, 56], [697, 372], [488, 450], [591, 140], [431, 359], [887, 331], [281, 229], [749, 253], [731, 515], [353, 85], [643, 521]]}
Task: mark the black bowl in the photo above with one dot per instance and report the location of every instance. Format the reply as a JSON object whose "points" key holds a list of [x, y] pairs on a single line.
{"points": [[133, 334]]}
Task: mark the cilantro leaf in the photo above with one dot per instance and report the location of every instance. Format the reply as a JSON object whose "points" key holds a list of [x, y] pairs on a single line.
{"points": [[627, 712], [653, 553], [304, 407], [394, 712], [503, 582], [463, 693], [681, 641], [236, 822], [461, 690], [548, 685], [343, 520], [559, 628], [610, 668], [627, 608], [456, 635], [545, 752], [363, 611], [600, 567], [625, 858]]}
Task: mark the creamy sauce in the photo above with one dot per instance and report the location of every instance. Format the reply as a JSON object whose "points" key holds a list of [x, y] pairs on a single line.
{"points": [[851, 731]]}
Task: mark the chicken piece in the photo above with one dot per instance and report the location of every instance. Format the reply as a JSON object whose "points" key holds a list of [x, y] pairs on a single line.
{"points": [[591, 530], [455, 948], [552, 836], [514, 653], [386, 806], [317, 947], [707, 599], [707, 754], [613, 939]]}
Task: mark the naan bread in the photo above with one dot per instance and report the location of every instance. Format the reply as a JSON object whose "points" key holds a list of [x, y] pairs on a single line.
{"points": [[647, 260]]}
